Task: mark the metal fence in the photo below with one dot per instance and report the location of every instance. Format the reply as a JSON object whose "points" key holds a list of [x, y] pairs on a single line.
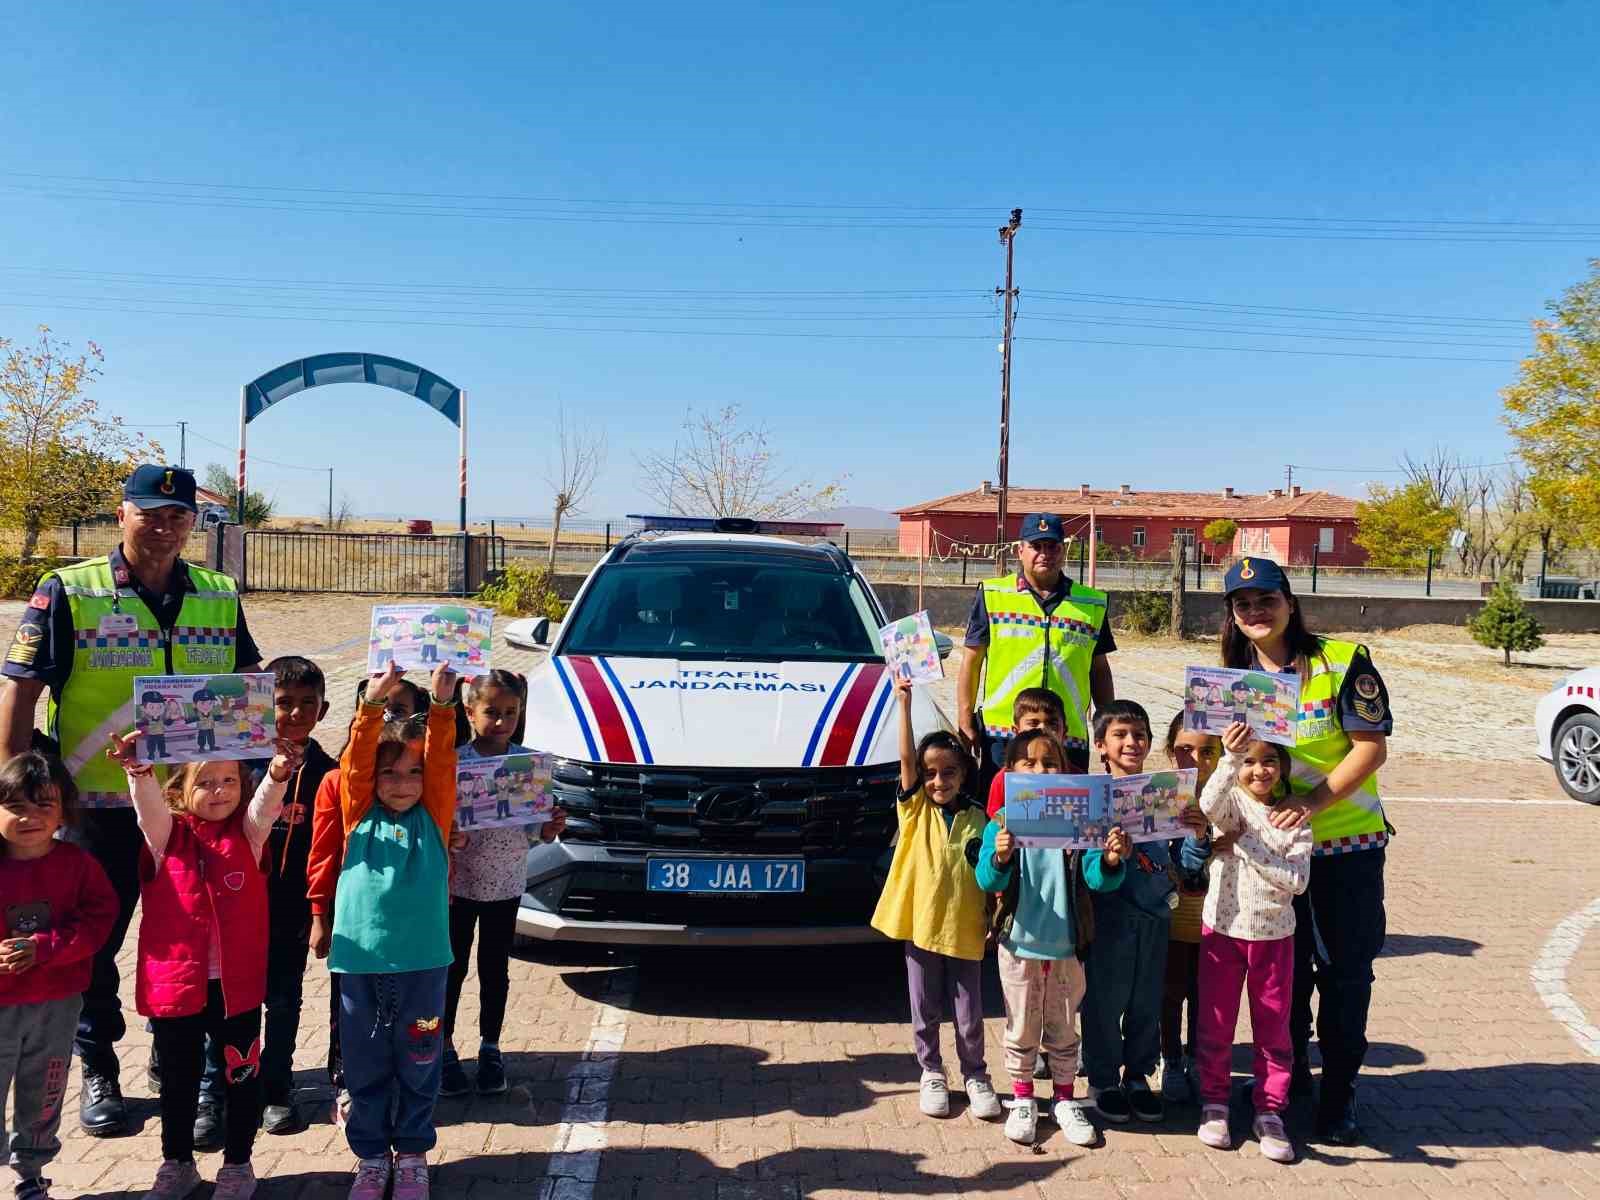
{"points": [[379, 563], [88, 540]]}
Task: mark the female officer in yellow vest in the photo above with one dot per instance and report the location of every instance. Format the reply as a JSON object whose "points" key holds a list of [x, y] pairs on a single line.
{"points": [[1341, 741], [88, 631], [1034, 629]]}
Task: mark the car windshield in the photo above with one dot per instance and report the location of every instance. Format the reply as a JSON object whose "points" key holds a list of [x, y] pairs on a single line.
{"points": [[724, 608]]}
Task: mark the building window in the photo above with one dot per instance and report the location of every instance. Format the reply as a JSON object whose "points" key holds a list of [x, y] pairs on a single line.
{"points": [[1184, 535], [1138, 535], [1325, 541], [1099, 535]]}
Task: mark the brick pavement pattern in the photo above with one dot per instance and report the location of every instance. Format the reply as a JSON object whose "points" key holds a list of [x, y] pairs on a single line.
{"points": [[724, 1075]]}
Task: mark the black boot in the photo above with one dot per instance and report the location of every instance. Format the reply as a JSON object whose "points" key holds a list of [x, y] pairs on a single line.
{"points": [[1337, 1124], [101, 1109], [208, 1130]]}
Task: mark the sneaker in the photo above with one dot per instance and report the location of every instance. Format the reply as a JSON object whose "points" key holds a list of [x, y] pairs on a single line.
{"points": [[1300, 1082], [33, 1189], [981, 1100], [1022, 1126], [1175, 1082], [1112, 1105], [208, 1134], [935, 1098], [282, 1118], [453, 1080], [1214, 1127], [410, 1177], [175, 1181], [491, 1072], [1146, 1104], [235, 1181], [1274, 1141], [340, 1114], [101, 1109], [1075, 1124], [372, 1179]]}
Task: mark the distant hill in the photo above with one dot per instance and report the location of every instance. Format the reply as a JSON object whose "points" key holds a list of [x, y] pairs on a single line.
{"points": [[854, 516]]}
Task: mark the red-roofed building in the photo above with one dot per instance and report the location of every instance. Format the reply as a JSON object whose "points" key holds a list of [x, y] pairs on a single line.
{"points": [[1285, 526]]}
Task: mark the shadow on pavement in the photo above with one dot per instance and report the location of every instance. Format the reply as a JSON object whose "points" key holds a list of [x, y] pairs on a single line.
{"points": [[1405, 945]]}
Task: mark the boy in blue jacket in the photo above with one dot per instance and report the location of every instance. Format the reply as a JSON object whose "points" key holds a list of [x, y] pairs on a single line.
{"points": [[1122, 1008]]}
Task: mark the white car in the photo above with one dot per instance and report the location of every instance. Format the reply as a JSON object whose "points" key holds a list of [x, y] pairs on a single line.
{"points": [[1568, 721], [726, 744]]}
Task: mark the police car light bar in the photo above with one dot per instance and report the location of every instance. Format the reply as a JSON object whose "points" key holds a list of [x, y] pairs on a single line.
{"points": [[665, 524]]}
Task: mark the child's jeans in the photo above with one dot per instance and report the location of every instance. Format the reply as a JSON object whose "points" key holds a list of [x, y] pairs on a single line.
{"points": [[390, 1032], [181, 1045], [35, 1051], [1266, 971], [941, 985], [1041, 1000], [1122, 1007]]}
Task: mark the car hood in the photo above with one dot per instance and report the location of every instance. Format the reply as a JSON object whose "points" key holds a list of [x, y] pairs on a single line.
{"points": [[715, 714]]}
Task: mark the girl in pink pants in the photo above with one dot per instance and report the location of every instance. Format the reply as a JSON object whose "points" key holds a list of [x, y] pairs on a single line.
{"points": [[1247, 937]]}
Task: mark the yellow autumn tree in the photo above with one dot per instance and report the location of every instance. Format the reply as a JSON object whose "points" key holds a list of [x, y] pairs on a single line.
{"points": [[60, 460], [1553, 412]]}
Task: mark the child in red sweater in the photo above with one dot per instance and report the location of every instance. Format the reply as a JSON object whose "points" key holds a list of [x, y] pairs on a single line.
{"points": [[59, 909]]}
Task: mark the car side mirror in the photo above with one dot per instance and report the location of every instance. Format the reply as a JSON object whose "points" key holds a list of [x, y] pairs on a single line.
{"points": [[944, 644], [541, 632]]}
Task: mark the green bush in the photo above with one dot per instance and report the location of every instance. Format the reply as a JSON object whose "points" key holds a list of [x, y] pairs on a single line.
{"points": [[524, 591], [1146, 612], [1505, 624], [18, 576]]}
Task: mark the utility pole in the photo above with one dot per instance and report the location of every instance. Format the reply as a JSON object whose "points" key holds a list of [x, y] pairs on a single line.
{"points": [[330, 497], [183, 443], [1288, 479], [1008, 236]]}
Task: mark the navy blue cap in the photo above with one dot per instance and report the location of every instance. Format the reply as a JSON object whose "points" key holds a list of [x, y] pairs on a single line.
{"points": [[152, 486], [1260, 573], [1040, 527]]}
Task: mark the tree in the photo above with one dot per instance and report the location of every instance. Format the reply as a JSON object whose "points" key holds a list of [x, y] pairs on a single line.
{"points": [[1398, 526], [719, 468], [60, 460], [257, 507], [1553, 412], [1220, 533], [1504, 622], [576, 462]]}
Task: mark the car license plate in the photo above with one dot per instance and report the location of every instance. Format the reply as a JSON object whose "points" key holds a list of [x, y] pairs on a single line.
{"points": [[716, 876]]}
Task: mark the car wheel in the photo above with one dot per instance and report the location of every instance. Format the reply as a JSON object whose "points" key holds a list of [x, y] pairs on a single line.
{"points": [[1577, 757]]}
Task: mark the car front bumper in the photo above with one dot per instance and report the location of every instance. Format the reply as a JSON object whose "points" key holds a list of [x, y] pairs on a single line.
{"points": [[595, 893]]}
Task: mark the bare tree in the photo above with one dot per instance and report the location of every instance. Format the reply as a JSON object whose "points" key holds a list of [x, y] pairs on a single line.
{"points": [[719, 468], [576, 459], [345, 512]]}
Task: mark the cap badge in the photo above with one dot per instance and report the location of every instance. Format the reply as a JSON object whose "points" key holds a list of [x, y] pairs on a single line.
{"points": [[166, 485], [1246, 571], [1043, 525]]}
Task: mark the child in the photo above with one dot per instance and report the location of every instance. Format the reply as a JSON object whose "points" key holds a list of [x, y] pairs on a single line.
{"points": [[490, 874], [1186, 749], [932, 903], [1034, 708], [1122, 1008], [203, 948], [59, 909], [1043, 926], [1248, 937], [391, 931]]}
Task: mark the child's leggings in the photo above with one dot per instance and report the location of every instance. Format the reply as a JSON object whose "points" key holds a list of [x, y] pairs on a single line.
{"points": [[1181, 986], [181, 1046], [496, 922], [1266, 971], [35, 1052], [1042, 998], [942, 985], [390, 1030]]}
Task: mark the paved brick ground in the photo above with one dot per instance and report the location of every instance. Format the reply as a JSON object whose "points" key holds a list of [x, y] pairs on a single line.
{"points": [[724, 1075]]}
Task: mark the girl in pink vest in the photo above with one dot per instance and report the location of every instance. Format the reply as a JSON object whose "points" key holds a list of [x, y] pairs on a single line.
{"points": [[200, 873]]}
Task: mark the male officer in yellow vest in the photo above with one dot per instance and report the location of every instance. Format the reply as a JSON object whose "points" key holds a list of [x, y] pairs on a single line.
{"points": [[1034, 629], [87, 632]]}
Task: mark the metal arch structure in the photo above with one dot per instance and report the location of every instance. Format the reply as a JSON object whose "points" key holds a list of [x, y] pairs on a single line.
{"points": [[437, 393]]}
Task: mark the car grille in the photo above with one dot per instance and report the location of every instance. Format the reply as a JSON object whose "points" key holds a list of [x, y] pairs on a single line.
{"points": [[848, 810]]}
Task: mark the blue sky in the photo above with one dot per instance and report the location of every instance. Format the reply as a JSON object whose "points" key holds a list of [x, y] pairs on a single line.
{"points": [[625, 203]]}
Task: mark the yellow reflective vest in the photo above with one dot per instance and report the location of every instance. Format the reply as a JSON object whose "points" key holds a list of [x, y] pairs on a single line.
{"points": [[1356, 822], [1029, 649]]}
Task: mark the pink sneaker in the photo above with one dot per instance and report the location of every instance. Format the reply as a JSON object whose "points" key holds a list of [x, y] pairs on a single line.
{"points": [[1214, 1127], [1275, 1143], [372, 1179], [175, 1181], [410, 1177], [235, 1182]]}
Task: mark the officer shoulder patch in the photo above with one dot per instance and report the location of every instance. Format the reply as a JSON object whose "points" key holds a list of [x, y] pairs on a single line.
{"points": [[28, 635], [1370, 710], [1366, 686], [39, 600]]}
